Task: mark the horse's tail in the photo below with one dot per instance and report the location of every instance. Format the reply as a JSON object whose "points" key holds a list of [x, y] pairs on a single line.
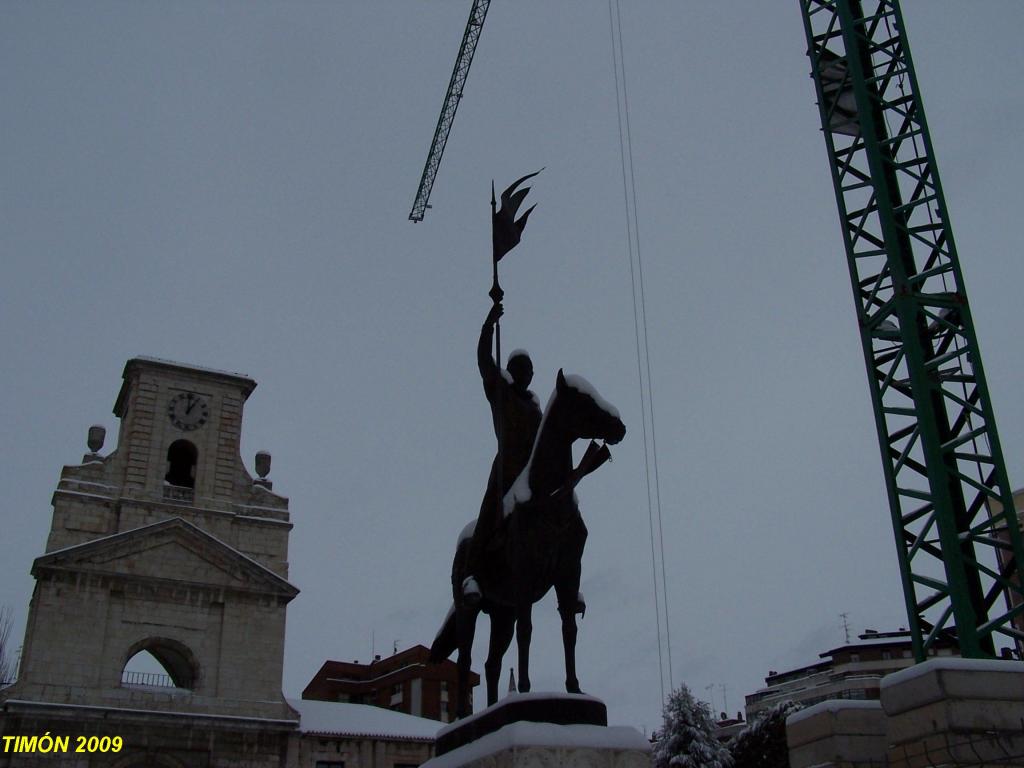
{"points": [[446, 642]]}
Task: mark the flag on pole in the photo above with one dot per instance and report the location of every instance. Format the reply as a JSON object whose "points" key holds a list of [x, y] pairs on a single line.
{"points": [[506, 229]]}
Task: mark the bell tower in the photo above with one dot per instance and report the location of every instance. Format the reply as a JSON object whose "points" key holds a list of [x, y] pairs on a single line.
{"points": [[177, 456], [168, 545]]}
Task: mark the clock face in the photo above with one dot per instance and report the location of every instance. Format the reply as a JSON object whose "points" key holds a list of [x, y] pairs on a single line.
{"points": [[188, 411]]}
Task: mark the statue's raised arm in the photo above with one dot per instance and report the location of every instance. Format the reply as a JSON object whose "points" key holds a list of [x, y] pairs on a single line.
{"points": [[489, 370], [515, 413]]}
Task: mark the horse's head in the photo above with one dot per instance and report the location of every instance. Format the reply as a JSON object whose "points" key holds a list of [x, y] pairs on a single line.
{"points": [[591, 416]]}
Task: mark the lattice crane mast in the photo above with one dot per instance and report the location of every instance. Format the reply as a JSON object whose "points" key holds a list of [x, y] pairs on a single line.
{"points": [[470, 38], [957, 535]]}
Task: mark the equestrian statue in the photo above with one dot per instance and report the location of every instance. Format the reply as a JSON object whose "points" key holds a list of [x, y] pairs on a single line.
{"points": [[529, 535]]}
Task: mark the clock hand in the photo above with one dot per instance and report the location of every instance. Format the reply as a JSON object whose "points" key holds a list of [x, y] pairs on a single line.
{"points": [[191, 404]]}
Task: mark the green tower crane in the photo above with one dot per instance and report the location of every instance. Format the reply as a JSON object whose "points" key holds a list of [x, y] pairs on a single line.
{"points": [[957, 535], [474, 26]]}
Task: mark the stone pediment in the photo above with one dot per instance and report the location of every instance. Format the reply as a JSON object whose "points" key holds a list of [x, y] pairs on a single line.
{"points": [[169, 551]]}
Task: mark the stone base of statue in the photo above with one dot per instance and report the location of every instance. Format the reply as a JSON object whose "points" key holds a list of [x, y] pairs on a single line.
{"points": [[541, 730], [944, 711]]}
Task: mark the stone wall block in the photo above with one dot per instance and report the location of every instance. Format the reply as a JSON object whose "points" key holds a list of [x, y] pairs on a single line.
{"points": [[962, 712], [844, 733]]}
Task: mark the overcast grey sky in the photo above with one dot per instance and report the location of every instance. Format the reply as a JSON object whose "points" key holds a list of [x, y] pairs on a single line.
{"points": [[228, 184]]}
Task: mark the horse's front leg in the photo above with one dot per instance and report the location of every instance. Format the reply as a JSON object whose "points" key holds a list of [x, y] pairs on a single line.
{"points": [[503, 623], [465, 628], [524, 631]]}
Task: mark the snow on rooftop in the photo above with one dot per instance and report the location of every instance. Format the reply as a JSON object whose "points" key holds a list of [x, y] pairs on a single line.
{"points": [[188, 367], [343, 719], [834, 706]]}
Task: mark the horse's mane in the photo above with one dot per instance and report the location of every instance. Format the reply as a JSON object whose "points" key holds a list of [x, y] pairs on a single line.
{"points": [[520, 492]]}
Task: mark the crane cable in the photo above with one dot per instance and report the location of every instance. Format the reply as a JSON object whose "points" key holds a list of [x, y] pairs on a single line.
{"points": [[643, 358]]}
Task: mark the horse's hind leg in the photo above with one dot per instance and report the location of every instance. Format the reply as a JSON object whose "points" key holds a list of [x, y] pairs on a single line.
{"points": [[524, 631], [503, 624], [572, 684], [465, 623], [568, 607]]}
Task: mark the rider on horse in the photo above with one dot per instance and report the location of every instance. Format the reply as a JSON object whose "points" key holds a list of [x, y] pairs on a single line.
{"points": [[516, 414]]}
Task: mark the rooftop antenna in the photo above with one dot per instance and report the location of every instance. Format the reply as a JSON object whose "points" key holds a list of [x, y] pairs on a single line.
{"points": [[846, 626]]}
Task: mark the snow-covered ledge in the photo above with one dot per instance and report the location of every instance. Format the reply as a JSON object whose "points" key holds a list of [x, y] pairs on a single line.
{"points": [[541, 730], [959, 711], [842, 732], [544, 745]]}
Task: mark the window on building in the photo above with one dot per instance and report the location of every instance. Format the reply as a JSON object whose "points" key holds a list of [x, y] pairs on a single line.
{"points": [[886, 655], [854, 658], [330, 764], [182, 457]]}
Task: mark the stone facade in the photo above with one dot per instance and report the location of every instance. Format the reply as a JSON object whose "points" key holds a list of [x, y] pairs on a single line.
{"points": [[165, 545], [129, 488], [841, 733], [956, 712], [168, 545], [951, 712]]}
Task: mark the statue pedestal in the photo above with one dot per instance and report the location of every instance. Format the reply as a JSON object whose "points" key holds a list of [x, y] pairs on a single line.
{"points": [[963, 712], [541, 730]]}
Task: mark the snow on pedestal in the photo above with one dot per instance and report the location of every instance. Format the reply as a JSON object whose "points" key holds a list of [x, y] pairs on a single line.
{"points": [[525, 743], [964, 712]]}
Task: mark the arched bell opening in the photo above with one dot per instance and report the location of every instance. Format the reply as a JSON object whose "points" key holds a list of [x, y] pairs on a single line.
{"points": [[160, 663], [182, 457]]}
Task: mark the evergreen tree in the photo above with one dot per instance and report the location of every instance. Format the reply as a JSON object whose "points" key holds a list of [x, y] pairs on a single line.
{"points": [[686, 739], [762, 744]]}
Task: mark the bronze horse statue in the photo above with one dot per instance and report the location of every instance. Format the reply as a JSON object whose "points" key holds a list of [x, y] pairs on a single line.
{"points": [[538, 545]]}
